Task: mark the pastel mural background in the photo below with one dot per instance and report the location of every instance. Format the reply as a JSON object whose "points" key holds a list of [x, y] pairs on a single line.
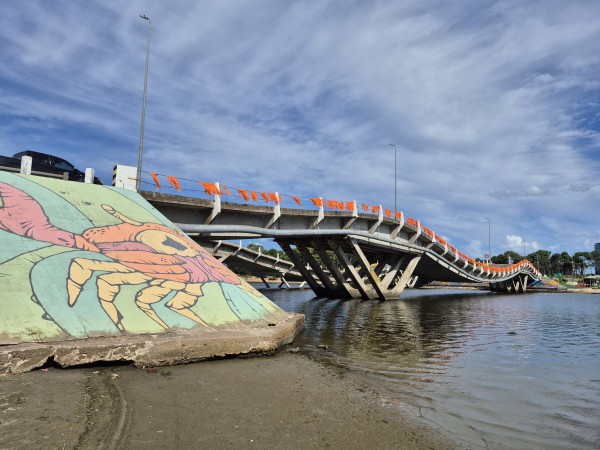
{"points": [[79, 260]]}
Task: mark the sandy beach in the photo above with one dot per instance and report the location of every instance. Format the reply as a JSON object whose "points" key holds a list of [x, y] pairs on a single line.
{"points": [[282, 401]]}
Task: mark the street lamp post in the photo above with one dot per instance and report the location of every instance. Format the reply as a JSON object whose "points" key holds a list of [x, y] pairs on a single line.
{"points": [[141, 149], [395, 178], [489, 239]]}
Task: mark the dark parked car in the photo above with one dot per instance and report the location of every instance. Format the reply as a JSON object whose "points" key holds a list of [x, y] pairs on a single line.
{"points": [[54, 163]]}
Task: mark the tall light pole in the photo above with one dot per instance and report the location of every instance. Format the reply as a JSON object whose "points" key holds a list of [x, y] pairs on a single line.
{"points": [[141, 149], [395, 178], [489, 239]]}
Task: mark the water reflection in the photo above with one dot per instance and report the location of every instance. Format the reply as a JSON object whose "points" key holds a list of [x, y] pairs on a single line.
{"points": [[504, 371]]}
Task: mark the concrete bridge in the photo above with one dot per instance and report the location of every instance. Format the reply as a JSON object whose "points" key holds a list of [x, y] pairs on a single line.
{"points": [[344, 254]]}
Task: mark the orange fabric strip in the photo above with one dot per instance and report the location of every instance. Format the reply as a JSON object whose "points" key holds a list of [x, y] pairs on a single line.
{"points": [[244, 194], [297, 200], [254, 195], [155, 178], [174, 182], [317, 201]]}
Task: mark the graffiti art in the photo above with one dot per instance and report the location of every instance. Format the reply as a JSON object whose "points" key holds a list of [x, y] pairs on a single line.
{"points": [[106, 251]]}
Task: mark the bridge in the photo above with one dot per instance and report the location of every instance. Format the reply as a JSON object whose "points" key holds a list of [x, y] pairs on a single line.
{"points": [[242, 258], [339, 252]]}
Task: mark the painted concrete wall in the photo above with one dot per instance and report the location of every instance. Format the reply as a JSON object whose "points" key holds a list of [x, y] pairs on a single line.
{"points": [[80, 260]]}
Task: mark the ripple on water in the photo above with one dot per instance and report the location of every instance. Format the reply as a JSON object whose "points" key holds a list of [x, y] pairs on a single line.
{"points": [[504, 371]]}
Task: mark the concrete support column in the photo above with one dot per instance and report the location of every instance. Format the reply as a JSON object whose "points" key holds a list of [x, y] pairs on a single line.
{"points": [[370, 273], [350, 270], [395, 266], [406, 274], [342, 283], [334, 291], [319, 290], [265, 282], [283, 283]]}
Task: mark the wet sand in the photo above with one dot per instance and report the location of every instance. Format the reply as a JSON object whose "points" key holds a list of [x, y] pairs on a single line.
{"points": [[285, 401]]}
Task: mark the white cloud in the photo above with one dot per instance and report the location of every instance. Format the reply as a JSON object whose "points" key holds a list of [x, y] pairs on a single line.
{"points": [[492, 105]]}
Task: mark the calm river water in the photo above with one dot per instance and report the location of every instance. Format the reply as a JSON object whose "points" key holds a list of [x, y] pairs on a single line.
{"points": [[496, 371]]}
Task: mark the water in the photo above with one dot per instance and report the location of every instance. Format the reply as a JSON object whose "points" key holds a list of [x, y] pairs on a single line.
{"points": [[496, 371]]}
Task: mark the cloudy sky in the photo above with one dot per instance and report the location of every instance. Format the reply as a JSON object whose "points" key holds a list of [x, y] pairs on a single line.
{"points": [[494, 106]]}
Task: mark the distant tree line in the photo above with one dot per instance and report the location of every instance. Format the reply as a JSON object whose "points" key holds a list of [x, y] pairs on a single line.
{"points": [[550, 263]]}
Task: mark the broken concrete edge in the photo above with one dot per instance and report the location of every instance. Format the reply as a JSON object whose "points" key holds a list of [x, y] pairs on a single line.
{"points": [[153, 350]]}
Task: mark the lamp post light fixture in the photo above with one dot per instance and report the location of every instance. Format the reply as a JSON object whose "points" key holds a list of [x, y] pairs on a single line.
{"points": [[395, 178], [141, 148], [489, 240]]}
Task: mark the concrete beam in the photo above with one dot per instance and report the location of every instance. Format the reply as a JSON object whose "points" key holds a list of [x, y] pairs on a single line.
{"points": [[318, 270], [406, 275], [347, 290], [319, 290], [349, 268], [371, 275]]}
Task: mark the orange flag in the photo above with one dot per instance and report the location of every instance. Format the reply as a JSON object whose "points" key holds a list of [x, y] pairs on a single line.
{"points": [[174, 182], [350, 206], [365, 207], [388, 212], [155, 178], [210, 188], [265, 196], [244, 194], [297, 200], [273, 197], [317, 201], [254, 195]]}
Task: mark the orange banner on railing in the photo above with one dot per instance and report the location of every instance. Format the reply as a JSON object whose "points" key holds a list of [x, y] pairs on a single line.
{"points": [[244, 194], [398, 215], [225, 190], [174, 182], [155, 178], [254, 196], [365, 207], [317, 201], [210, 188], [334, 204], [376, 209], [350, 206], [388, 212], [273, 197], [297, 200]]}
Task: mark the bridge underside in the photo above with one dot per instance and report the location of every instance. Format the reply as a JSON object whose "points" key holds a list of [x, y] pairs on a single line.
{"points": [[348, 267]]}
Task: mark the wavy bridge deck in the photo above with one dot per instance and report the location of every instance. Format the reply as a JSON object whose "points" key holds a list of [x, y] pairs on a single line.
{"points": [[343, 253]]}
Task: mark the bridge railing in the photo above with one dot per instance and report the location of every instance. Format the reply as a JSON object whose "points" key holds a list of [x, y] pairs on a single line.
{"points": [[212, 190]]}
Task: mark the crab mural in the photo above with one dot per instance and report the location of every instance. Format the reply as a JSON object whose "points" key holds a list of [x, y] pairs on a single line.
{"points": [[164, 262]]}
